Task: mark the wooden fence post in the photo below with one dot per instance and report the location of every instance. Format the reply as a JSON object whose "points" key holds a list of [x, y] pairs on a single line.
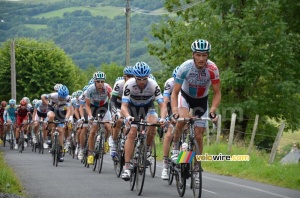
{"points": [[219, 129], [276, 143], [253, 134], [231, 133]]}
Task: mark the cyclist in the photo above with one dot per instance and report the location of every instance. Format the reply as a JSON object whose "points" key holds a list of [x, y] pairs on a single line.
{"points": [[96, 102], [2, 109], [10, 115], [137, 100], [22, 112], [82, 131], [115, 105], [40, 112], [168, 88], [61, 111], [191, 86]]}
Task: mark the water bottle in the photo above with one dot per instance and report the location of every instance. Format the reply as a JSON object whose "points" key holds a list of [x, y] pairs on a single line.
{"points": [[110, 141]]}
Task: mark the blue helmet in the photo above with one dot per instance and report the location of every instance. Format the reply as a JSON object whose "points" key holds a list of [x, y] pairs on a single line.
{"points": [[12, 102], [175, 72], [201, 45], [141, 69], [85, 88], [63, 92], [152, 77], [128, 70], [91, 81]]}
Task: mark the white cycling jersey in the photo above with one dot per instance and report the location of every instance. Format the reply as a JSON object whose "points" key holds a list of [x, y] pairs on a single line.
{"points": [[168, 88], [118, 89], [61, 104], [134, 95], [97, 98], [41, 107], [196, 82]]}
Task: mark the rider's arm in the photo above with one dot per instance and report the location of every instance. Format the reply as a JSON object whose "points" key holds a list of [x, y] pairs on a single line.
{"points": [[124, 109], [76, 113], [44, 98], [174, 98], [34, 114], [216, 98], [69, 112], [87, 107]]}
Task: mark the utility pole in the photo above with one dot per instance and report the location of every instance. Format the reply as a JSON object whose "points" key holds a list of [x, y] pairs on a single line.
{"points": [[13, 70], [127, 13]]}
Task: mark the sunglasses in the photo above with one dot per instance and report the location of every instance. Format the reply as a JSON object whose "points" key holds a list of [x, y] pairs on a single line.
{"points": [[142, 79], [129, 76], [100, 81]]}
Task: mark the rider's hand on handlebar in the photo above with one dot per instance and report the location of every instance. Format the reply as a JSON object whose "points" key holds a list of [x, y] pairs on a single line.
{"points": [[213, 117]]}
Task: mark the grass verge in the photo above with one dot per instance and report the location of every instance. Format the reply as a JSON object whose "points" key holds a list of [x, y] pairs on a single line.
{"points": [[257, 169], [9, 182]]}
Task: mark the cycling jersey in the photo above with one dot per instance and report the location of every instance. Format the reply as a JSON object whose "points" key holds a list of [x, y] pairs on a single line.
{"points": [[9, 114], [2, 109], [168, 88], [134, 95], [74, 103], [97, 98], [116, 98], [196, 82]]}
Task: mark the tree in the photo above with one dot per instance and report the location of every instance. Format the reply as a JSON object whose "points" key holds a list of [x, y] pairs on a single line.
{"points": [[39, 66], [255, 54]]}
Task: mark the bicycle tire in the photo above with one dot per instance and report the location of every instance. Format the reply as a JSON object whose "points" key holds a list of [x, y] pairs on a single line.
{"points": [[101, 153], [96, 157], [153, 155], [4, 139], [57, 153], [180, 181], [11, 143], [118, 164], [170, 174], [197, 190], [141, 167]]}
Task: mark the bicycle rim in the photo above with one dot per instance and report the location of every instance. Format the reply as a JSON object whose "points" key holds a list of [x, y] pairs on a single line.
{"points": [[57, 153], [101, 153], [4, 139], [170, 174], [118, 163], [141, 167], [181, 181], [153, 155], [197, 189]]}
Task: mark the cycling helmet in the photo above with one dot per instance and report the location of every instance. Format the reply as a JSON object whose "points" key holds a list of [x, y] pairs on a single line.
{"points": [[34, 101], [79, 93], [12, 101], [141, 69], [57, 86], [119, 78], [27, 99], [152, 77], [74, 94], [63, 92], [91, 81], [128, 70], [201, 45], [23, 102], [3, 103], [175, 72], [85, 88], [99, 76]]}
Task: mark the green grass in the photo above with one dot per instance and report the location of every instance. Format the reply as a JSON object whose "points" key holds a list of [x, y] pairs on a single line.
{"points": [[9, 182], [35, 26], [108, 11]]}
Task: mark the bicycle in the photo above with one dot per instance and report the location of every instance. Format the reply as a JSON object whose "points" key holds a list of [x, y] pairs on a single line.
{"points": [[120, 161], [11, 136], [99, 144], [139, 157], [193, 170], [56, 151], [72, 146], [21, 138], [40, 138]]}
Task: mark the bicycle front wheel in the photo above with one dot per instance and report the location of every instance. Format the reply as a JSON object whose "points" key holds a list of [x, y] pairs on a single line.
{"points": [[100, 157], [196, 173], [141, 167], [118, 163], [180, 178], [153, 159]]}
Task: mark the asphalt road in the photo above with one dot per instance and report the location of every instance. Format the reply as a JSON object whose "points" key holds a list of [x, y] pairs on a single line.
{"points": [[72, 179]]}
